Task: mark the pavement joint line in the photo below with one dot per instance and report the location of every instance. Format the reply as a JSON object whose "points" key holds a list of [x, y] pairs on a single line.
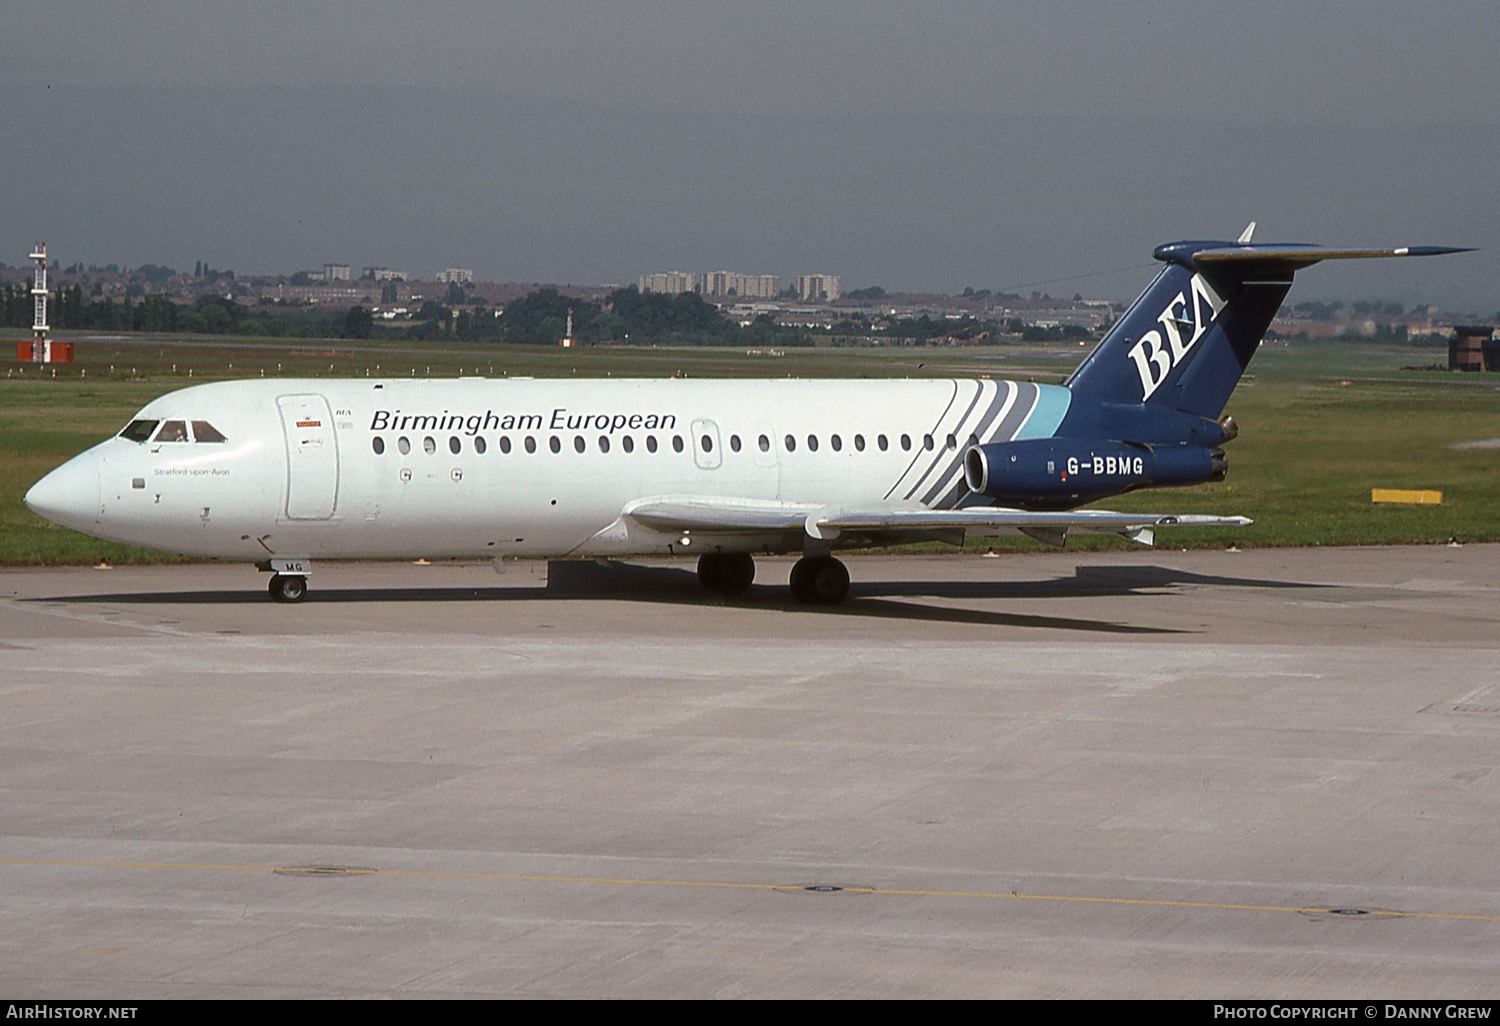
{"points": [[731, 885]]}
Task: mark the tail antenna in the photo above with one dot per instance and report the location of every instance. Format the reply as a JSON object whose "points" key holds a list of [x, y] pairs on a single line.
{"points": [[1244, 239]]}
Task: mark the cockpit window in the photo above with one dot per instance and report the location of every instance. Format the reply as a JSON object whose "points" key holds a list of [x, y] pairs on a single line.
{"points": [[139, 430], [172, 431], [203, 431]]}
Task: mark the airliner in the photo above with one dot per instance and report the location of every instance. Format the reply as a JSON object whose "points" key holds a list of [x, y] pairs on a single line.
{"points": [[280, 473]]}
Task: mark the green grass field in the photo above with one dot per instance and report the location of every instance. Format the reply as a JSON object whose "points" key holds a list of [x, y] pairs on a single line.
{"points": [[1320, 425]]}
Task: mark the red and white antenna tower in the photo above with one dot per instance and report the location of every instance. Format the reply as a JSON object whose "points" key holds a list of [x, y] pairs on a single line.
{"points": [[40, 347]]}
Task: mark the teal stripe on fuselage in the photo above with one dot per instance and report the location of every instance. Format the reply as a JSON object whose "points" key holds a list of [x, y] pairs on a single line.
{"points": [[1052, 403]]}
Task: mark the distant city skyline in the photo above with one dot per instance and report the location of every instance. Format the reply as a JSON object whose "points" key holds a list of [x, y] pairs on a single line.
{"points": [[930, 147], [720, 287]]}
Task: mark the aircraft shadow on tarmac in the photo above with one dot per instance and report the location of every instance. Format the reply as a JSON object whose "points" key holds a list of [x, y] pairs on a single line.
{"points": [[614, 581]]}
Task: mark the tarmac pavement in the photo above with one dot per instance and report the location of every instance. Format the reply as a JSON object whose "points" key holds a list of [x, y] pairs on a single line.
{"points": [[1267, 773]]}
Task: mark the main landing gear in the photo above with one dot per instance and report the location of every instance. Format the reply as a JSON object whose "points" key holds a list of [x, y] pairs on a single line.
{"points": [[819, 580], [726, 573], [816, 580], [287, 587]]}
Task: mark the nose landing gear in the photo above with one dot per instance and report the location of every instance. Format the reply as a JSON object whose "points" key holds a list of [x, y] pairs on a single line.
{"points": [[288, 577], [287, 587]]}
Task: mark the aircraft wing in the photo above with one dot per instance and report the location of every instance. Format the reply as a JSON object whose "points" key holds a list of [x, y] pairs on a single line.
{"points": [[711, 514], [1049, 527], [989, 516]]}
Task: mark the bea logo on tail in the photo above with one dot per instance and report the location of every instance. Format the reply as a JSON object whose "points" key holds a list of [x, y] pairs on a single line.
{"points": [[1157, 352]]}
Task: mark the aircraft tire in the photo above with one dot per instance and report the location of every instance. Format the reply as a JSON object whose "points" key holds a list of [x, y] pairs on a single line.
{"points": [[819, 580], [287, 588], [726, 573]]}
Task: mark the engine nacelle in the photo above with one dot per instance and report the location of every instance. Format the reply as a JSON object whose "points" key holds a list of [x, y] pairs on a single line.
{"points": [[1059, 473]]}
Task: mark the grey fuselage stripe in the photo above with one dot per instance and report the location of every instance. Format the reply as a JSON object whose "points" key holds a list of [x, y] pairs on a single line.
{"points": [[951, 486], [938, 433], [954, 461], [1026, 400], [907, 472]]}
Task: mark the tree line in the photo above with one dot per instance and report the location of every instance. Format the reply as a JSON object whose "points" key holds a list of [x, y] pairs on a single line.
{"points": [[68, 309], [540, 317]]}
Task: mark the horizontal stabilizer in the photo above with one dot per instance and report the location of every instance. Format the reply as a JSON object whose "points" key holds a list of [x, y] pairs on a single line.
{"points": [[1293, 257]]}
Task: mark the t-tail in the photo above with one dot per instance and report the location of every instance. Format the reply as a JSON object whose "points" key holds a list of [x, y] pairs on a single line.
{"points": [[1184, 344], [1143, 411]]}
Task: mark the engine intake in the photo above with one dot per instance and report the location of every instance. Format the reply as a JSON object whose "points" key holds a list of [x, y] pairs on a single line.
{"points": [[1059, 473]]}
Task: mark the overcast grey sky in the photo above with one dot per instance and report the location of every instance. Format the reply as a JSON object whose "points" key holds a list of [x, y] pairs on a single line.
{"points": [[912, 145]]}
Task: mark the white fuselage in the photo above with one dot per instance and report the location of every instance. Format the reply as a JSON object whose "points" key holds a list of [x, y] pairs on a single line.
{"points": [[403, 469]]}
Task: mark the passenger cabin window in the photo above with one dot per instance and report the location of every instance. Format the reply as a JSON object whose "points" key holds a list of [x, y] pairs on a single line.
{"points": [[479, 444], [173, 431], [139, 430], [454, 445], [429, 445], [203, 431], [378, 444], [628, 443], [404, 444], [505, 444]]}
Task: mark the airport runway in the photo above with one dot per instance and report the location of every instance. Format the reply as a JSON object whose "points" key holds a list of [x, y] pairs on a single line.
{"points": [[1147, 774]]}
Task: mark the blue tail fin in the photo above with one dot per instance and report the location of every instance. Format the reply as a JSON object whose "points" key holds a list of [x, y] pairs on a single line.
{"points": [[1186, 341]]}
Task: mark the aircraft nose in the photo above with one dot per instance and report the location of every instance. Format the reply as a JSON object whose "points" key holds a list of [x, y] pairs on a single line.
{"points": [[69, 495]]}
